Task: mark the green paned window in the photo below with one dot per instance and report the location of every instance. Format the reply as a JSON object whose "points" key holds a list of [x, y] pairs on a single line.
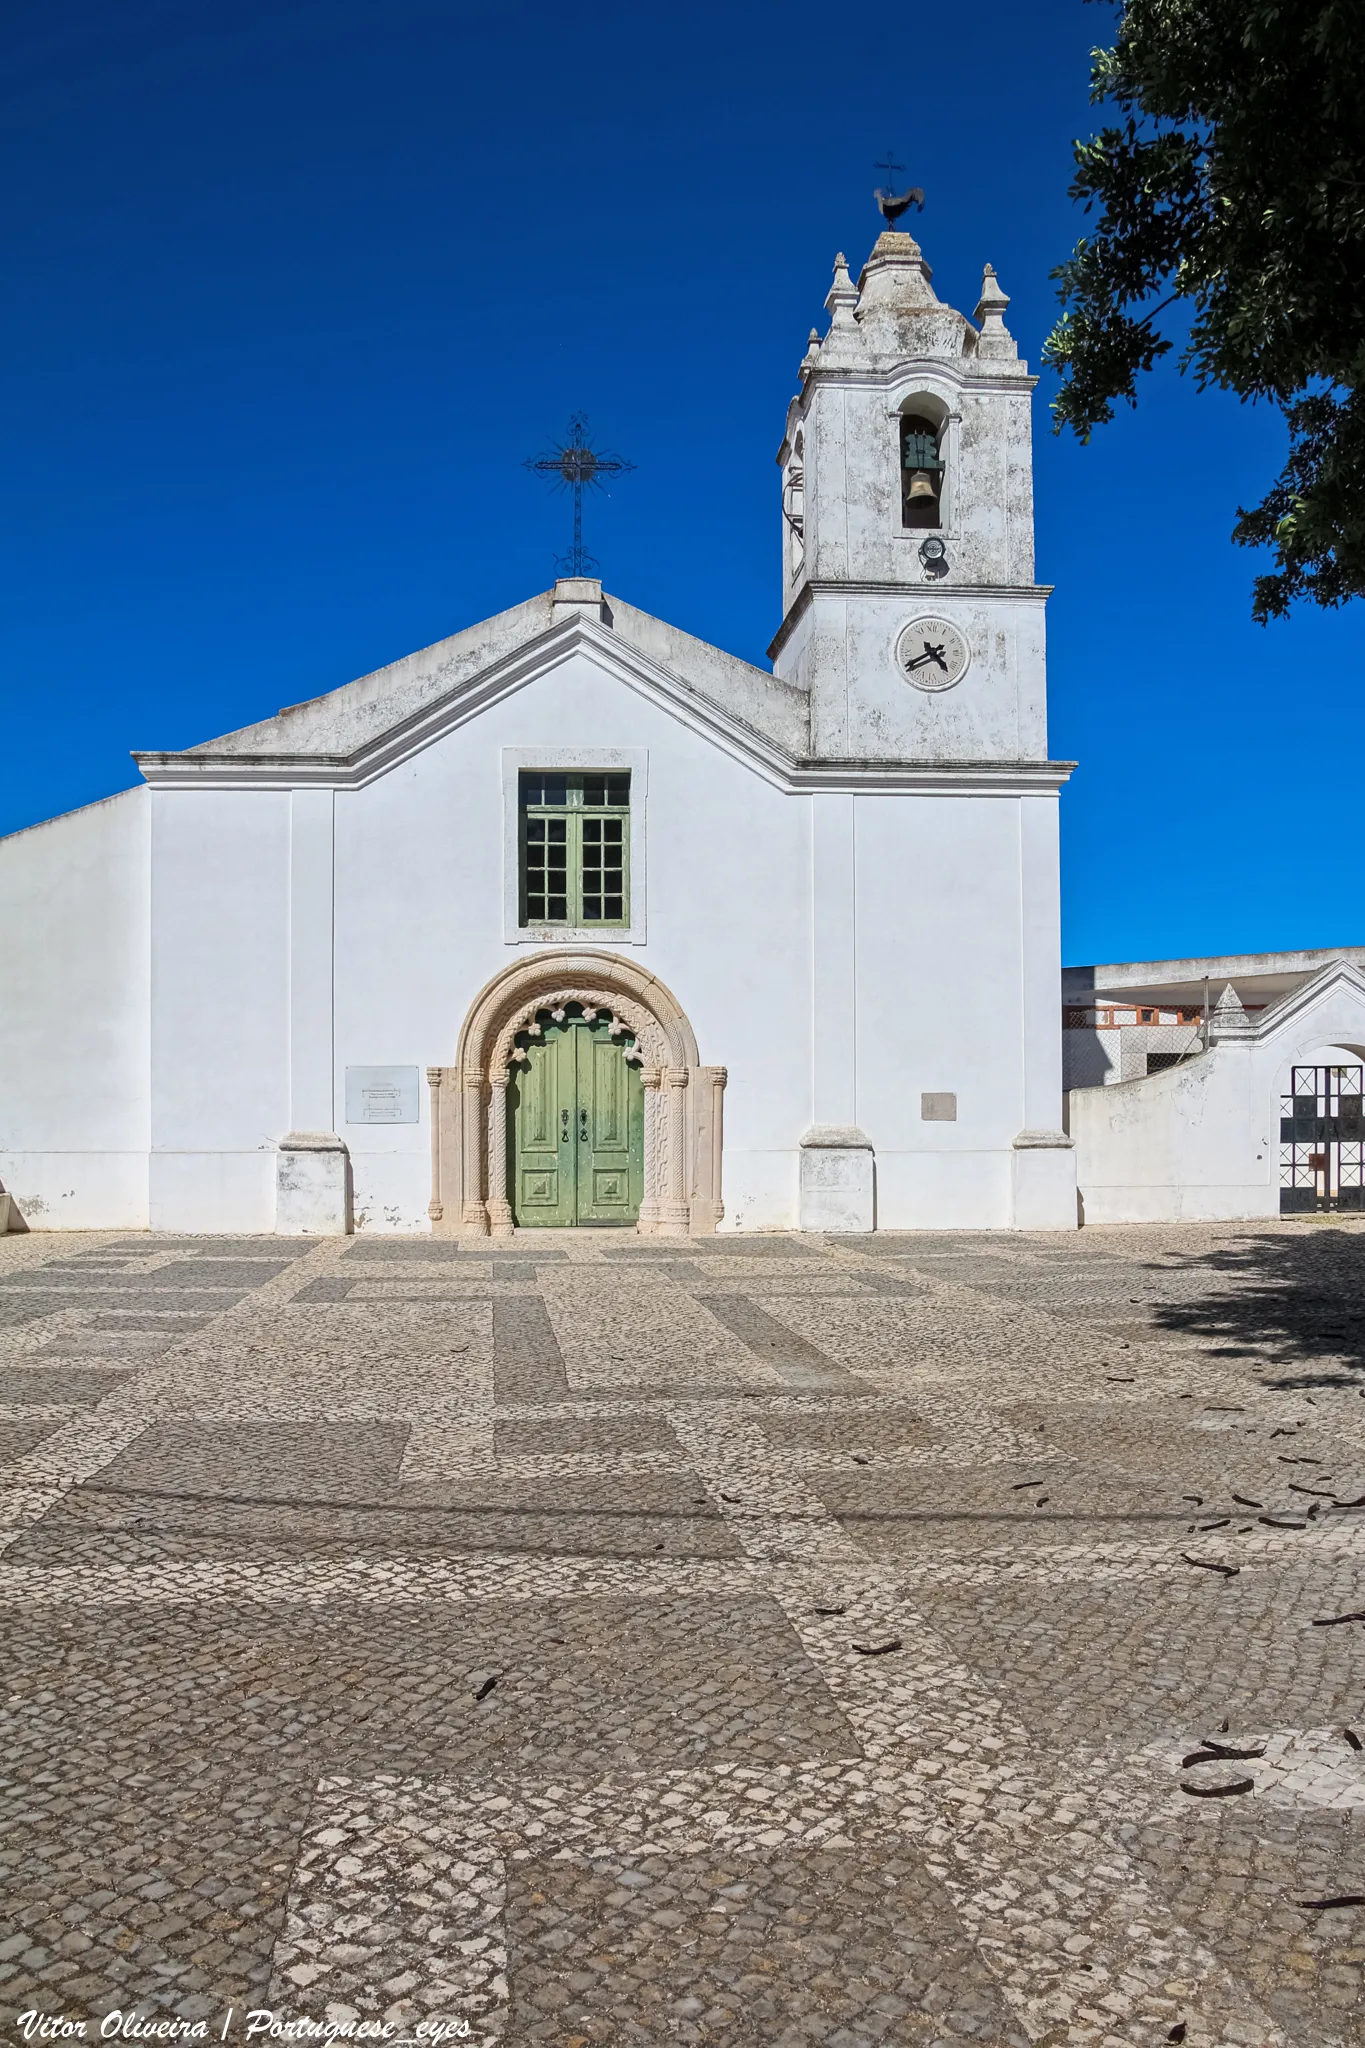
{"points": [[575, 848]]}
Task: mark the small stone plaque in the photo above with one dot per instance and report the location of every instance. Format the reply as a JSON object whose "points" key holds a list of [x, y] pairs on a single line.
{"points": [[382, 1095], [938, 1109]]}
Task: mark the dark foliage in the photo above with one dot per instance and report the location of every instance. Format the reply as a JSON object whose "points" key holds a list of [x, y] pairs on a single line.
{"points": [[1233, 189]]}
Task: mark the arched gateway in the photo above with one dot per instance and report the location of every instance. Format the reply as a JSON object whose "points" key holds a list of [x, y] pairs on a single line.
{"points": [[527, 1005]]}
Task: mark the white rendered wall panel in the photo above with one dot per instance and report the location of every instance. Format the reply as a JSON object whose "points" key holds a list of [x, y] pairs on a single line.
{"points": [[73, 1017], [220, 970], [311, 1084], [938, 970], [1041, 918], [834, 977]]}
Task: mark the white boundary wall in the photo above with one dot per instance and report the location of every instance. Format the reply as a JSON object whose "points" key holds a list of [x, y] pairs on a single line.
{"points": [[1200, 1142]]}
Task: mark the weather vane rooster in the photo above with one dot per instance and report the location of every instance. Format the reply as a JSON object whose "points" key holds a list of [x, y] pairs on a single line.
{"points": [[890, 203]]}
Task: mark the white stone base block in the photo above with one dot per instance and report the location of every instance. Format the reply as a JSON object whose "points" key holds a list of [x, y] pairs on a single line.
{"points": [[838, 1179], [1044, 1181], [312, 1186]]}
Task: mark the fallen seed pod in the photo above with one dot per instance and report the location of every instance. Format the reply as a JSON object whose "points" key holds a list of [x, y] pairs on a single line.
{"points": [[1220, 1753], [1220, 1791]]}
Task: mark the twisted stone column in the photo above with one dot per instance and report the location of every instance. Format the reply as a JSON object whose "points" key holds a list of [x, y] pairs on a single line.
{"points": [[499, 1208], [707, 1205], [474, 1212], [674, 1215], [649, 1206]]}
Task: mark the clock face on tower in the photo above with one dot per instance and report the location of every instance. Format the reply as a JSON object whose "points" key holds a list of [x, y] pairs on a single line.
{"points": [[932, 653]]}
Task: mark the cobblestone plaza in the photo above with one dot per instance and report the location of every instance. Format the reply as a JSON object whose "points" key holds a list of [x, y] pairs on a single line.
{"points": [[770, 1640]]}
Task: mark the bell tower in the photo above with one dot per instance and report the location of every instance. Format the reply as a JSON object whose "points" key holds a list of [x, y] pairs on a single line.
{"points": [[910, 612]]}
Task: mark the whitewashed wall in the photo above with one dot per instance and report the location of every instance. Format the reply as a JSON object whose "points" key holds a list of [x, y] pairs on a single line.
{"points": [[840, 954], [1200, 1142], [74, 1017], [220, 1006]]}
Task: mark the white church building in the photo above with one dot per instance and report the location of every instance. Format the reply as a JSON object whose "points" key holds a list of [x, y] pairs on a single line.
{"points": [[573, 919]]}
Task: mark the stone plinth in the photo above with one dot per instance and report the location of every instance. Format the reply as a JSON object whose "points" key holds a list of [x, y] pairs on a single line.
{"points": [[1044, 1181], [312, 1185], [838, 1179]]}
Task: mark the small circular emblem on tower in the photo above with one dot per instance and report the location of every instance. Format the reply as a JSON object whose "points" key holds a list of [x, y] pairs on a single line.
{"points": [[932, 653]]}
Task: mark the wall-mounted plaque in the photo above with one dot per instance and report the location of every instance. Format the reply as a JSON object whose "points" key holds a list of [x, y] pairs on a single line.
{"points": [[382, 1095]]}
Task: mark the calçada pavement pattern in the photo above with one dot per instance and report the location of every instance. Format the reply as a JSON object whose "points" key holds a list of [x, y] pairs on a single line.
{"points": [[758, 1640]]}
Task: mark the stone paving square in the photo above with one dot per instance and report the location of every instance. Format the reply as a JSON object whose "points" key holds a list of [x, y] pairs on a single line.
{"points": [[920, 1640]]}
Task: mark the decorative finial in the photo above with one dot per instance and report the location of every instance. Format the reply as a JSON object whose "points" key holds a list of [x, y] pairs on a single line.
{"points": [[812, 355], [991, 306], [889, 204], [1230, 1018], [842, 295], [576, 467], [995, 338]]}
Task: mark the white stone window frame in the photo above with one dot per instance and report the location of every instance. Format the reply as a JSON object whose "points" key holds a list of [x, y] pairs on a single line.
{"points": [[942, 397], [592, 760]]}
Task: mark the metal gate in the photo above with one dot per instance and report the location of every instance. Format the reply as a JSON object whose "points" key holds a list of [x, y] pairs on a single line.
{"points": [[1322, 1141]]}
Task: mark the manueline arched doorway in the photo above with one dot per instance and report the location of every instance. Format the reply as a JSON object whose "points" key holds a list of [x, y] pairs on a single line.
{"points": [[615, 1003], [575, 1121]]}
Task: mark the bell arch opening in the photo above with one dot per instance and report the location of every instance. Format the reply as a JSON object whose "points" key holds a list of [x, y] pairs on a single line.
{"points": [[922, 430], [683, 1122]]}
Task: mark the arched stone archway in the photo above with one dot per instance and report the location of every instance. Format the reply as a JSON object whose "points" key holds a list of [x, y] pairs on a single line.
{"points": [[683, 1099]]}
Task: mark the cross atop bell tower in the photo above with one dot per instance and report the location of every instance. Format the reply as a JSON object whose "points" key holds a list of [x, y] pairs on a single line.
{"points": [[907, 495]]}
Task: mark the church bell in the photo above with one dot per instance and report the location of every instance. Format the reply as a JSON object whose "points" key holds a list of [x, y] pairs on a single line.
{"points": [[921, 491]]}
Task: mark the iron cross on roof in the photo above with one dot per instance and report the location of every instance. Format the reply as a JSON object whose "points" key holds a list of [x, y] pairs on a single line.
{"points": [[576, 467]]}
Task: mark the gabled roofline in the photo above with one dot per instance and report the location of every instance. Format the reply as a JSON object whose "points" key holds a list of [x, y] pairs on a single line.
{"points": [[1337, 973], [538, 656]]}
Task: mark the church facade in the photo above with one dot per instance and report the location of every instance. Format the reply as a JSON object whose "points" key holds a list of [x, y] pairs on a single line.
{"points": [[573, 920]]}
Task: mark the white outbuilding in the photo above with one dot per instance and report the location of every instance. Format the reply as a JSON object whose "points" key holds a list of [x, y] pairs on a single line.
{"points": [[1205, 1090], [573, 919]]}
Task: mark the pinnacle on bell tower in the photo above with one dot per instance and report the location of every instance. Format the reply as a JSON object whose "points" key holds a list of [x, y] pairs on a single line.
{"points": [[907, 493]]}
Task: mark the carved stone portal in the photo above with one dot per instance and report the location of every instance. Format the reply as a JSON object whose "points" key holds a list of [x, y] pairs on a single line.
{"points": [[683, 1099]]}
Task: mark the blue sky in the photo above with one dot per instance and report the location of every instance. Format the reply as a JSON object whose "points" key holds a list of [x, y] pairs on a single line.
{"points": [[296, 284]]}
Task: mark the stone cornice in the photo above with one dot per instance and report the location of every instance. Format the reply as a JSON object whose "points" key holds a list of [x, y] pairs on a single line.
{"points": [[933, 778], [998, 382], [916, 593]]}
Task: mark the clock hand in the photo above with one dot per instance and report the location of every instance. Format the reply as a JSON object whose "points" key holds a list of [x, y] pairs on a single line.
{"points": [[930, 654]]}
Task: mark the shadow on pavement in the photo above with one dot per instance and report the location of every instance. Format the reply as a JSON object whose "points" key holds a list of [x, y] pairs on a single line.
{"points": [[1297, 1303]]}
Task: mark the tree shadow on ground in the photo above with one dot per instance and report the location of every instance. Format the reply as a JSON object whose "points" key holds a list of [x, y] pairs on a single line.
{"points": [[1296, 1303]]}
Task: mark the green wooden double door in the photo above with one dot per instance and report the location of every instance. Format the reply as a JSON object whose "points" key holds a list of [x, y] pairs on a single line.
{"points": [[576, 1133]]}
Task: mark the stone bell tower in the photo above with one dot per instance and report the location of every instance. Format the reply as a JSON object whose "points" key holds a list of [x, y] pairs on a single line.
{"points": [[910, 613]]}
